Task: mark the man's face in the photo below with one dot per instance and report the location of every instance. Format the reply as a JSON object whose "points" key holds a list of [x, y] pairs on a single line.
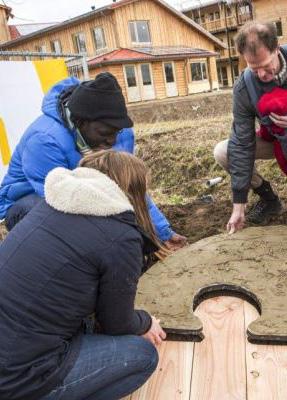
{"points": [[265, 65], [98, 135]]}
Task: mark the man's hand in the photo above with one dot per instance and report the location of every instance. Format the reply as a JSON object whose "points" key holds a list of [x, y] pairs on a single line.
{"points": [[279, 120], [237, 218], [176, 242], [155, 334]]}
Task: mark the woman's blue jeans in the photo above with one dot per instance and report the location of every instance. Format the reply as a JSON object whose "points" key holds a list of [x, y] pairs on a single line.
{"points": [[108, 368]]}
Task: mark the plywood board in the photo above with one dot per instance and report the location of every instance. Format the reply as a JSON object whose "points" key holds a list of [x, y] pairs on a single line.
{"points": [[266, 367], [171, 380], [219, 361]]}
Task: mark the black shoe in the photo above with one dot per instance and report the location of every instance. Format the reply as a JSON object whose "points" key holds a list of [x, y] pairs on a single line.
{"points": [[262, 211]]}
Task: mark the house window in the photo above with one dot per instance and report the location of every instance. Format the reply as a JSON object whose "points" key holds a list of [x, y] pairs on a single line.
{"points": [[146, 77], [56, 46], [228, 11], [139, 31], [244, 9], [80, 42], [41, 49], [26, 58], [279, 29], [168, 72], [198, 71], [235, 71], [216, 15], [211, 17], [99, 37], [131, 75]]}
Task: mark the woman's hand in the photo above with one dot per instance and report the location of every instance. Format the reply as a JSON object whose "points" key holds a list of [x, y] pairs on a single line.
{"points": [[155, 334]]}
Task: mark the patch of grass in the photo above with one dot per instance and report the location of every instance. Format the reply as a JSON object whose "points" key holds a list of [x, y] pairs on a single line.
{"points": [[181, 158]]}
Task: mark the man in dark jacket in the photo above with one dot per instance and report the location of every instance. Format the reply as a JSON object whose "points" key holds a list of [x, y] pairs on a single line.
{"points": [[266, 61]]}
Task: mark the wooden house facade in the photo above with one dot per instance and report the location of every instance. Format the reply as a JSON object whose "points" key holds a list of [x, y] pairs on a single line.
{"points": [[5, 13], [223, 20], [154, 51], [273, 11]]}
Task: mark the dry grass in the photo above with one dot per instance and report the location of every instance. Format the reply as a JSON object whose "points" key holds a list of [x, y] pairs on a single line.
{"points": [[180, 156]]}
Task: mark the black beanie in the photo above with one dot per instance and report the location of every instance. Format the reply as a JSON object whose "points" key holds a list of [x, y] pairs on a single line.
{"points": [[101, 100]]}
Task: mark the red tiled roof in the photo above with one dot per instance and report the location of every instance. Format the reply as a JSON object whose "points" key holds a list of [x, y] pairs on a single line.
{"points": [[150, 53], [118, 55], [14, 33]]}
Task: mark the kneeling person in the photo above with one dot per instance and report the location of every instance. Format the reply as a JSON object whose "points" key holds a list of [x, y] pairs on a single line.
{"points": [[80, 251]]}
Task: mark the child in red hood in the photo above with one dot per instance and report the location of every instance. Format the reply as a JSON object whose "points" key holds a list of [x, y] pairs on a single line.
{"points": [[274, 102]]}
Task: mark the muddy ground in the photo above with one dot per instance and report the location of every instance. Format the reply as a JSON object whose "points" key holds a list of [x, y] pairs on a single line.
{"points": [[177, 142]]}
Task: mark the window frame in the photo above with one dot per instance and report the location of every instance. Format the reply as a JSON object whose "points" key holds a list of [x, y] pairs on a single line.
{"points": [[135, 75], [200, 62], [103, 37], [134, 24], [52, 43], [281, 27], [76, 42]]}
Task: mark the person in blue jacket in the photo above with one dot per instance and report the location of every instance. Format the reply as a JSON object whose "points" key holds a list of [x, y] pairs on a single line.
{"points": [[77, 117], [82, 250]]}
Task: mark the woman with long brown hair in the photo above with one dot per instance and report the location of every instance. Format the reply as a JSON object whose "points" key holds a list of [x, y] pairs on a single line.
{"points": [[80, 251]]}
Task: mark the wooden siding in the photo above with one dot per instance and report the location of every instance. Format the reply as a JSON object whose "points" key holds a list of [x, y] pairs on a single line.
{"points": [[165, 28], [272, 11], [4, 31], [181, 71], [65, 36], [116, 70], [158, 80], [117, 33], [181, 74]]}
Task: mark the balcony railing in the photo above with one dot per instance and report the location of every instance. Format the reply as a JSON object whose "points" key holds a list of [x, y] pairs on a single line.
{"points": [[231, 21], [225, 53], [242, 18]]}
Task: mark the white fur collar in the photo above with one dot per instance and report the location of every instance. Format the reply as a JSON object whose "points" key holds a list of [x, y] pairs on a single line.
{"points": [[84, 191]]}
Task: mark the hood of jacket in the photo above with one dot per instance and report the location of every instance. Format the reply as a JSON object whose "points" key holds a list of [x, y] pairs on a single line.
{"points": [[50, 102], [85, 191]]}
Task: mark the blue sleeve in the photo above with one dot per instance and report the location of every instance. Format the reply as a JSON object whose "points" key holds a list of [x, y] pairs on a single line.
{"points": [[161, 224], [41, 155], [126, 142]]}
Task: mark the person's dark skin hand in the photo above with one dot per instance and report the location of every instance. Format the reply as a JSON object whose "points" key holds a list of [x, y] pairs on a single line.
{"points": [[176, 242]]}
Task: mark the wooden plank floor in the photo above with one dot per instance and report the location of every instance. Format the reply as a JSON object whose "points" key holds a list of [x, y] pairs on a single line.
{"points": [[224, 366]]}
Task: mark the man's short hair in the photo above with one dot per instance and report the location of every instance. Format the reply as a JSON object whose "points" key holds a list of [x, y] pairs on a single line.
{"points": [[255, 35]]}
